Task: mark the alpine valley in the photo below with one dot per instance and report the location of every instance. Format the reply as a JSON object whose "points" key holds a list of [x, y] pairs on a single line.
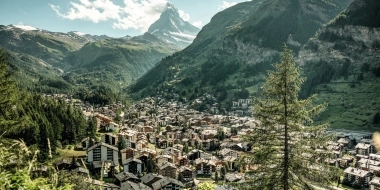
{"points": [[335, 41]]}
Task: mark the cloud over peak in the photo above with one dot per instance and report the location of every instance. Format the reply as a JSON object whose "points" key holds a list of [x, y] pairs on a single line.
{"points": [[132, 14], [225, 5]]}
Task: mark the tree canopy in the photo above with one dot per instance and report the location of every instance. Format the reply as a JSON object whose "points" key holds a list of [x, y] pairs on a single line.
{"points": [[288, 152]]}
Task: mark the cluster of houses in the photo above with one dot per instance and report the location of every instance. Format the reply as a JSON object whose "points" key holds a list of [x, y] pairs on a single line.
{"points": [[358, 158], [164, 145], [161, 145]]}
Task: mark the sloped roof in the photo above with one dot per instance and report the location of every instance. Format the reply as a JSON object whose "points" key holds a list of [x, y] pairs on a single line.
{"points": [[128, 185], [164, 182], [103, 144], [149, 177]]}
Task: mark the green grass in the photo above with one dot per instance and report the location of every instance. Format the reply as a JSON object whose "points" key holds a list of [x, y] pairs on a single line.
{"points": [[153, 147], [69, 152], [351, 107]]}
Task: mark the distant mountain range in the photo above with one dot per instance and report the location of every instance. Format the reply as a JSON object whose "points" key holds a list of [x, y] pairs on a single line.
{"points": [[61, 62]]}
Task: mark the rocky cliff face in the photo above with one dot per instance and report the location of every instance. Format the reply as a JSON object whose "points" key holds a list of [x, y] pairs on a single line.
{"points": [[341, 65], [358, 44], [354, 35]]}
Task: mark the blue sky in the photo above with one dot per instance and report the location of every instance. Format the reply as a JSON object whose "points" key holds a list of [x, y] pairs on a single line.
{"points": [[116, 18]]}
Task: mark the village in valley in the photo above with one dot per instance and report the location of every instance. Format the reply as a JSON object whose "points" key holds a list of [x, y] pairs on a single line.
{"points": [[159, 144]]}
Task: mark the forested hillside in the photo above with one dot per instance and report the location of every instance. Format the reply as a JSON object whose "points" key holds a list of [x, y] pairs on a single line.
{"points": [[37, 119], [55, 62]]}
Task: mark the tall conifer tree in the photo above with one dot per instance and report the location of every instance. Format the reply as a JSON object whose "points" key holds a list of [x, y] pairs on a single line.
{"points": [[288, 152]]}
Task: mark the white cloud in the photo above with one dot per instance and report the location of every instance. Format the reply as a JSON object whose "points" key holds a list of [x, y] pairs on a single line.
{"points": [[198, 24], [95, 11], [24, 26], [226, 4], [183, 15], [140, 14], [136, 14]]}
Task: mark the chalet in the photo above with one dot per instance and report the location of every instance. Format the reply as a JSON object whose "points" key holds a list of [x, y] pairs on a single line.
{"points": [[164, 158], [168, 169], [108, 167], [208, 134], [170, 135], [101, 185], [130, 137], [374, 184], [162, 143], [172, 151], [228, 152], [183, 161], [359, 176], [112, 126], [374, 157], [133, 165], [168, 183], [128, 153], [194, 154], [178, 146], [149, 152], [102, 151], [140, 144], [144, 159], [187, 173], [110, 139], [204, 166], [364, 148], [87, 142], [345, 142], [128, 185], [151, 178], [126, 176], [231, 161], [145, 129]]}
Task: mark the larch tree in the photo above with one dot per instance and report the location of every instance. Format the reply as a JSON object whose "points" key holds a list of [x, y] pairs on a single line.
{"points": [[288, 152]]}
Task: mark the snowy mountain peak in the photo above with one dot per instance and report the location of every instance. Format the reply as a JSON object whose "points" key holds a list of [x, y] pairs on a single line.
{"points": [[25, 27], [173, 29], [170, 6]]}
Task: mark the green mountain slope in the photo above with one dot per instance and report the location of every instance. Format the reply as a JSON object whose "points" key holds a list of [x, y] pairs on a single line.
{"points": [[51, 47], [235, 49], [342, 63], [66, 62], [116, 62]]}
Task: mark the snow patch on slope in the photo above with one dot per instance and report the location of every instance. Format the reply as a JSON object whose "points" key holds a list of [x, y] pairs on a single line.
{"points": [[25, 27]]}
